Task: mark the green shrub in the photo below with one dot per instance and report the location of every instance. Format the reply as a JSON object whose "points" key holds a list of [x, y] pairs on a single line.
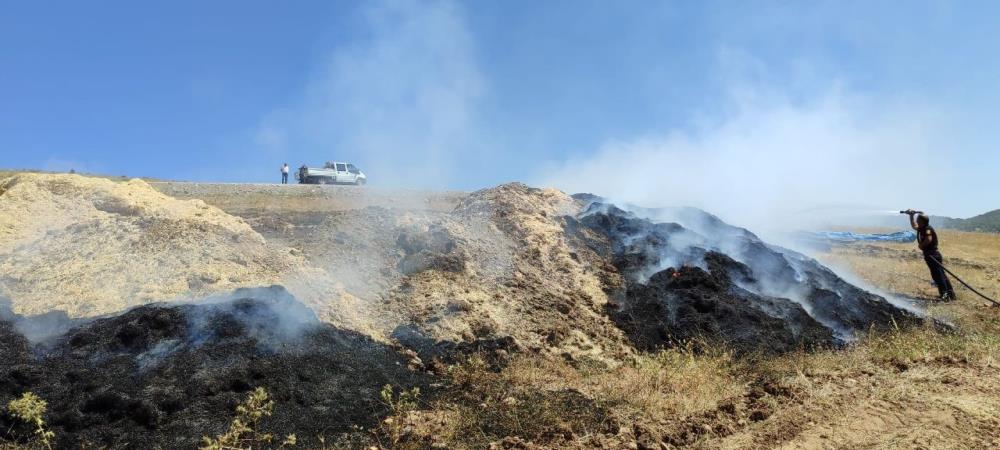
{"points": [[399, 407], [30, 409], [244, 432]]}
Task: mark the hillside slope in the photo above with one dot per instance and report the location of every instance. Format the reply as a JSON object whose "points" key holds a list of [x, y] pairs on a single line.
{"points": [[987, 222]]}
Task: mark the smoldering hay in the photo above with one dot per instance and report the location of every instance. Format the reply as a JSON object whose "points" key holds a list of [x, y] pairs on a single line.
{"points": [[688, 274], [509, 269], [163, 376], [554, 272]]}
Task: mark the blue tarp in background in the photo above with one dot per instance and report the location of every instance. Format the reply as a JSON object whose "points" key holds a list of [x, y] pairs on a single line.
{"points": [[847, 236]]}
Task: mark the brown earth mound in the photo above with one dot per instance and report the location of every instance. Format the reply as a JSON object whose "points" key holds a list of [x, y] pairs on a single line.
{"points": [[91, 246]]}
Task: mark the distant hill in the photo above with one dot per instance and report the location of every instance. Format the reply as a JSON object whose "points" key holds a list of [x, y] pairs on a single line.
{"points": [[988, 222]]}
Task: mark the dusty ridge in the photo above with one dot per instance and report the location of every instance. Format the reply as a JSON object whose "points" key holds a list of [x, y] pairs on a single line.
{"points": [[238, 198]]}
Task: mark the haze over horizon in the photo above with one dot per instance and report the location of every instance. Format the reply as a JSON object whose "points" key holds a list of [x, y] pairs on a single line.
{"points": [[747, 110]]}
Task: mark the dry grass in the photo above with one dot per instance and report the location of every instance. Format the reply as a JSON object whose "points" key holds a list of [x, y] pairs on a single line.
{"points": [[489, 406], [914, 388], [565, 404], [909, 388], [657, 386], [253, 198], [900, 268]]}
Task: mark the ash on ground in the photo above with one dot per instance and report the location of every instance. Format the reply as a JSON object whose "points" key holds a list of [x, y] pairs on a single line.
{"points": [[166, 375]]}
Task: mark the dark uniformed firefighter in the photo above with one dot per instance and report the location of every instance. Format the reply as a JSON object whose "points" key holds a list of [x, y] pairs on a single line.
{"points": [[927, 240]]}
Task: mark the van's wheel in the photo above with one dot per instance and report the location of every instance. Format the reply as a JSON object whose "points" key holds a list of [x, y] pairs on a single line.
{"points": [[359, 182]]}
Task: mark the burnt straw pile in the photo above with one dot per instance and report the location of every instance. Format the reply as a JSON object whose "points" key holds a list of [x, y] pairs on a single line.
{"points": [[689, 275], [392, 296], [166, 375]]}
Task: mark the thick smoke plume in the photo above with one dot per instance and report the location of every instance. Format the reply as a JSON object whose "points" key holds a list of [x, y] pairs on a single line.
{"points": [[773, 163]]}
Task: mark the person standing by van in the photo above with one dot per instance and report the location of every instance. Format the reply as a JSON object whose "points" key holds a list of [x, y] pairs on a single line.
{"points": [[284, 174]]}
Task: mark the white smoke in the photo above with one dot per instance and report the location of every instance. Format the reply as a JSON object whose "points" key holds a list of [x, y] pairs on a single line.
{"points": [[676, 237], [773, 157]]}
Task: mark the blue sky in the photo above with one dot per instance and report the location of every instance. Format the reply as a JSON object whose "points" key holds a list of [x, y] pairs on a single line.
{"points": [[773, 106]]}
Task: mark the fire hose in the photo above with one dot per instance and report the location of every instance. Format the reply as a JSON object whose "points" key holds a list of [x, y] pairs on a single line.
{"points": [[941, 265], [911, 212]]}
